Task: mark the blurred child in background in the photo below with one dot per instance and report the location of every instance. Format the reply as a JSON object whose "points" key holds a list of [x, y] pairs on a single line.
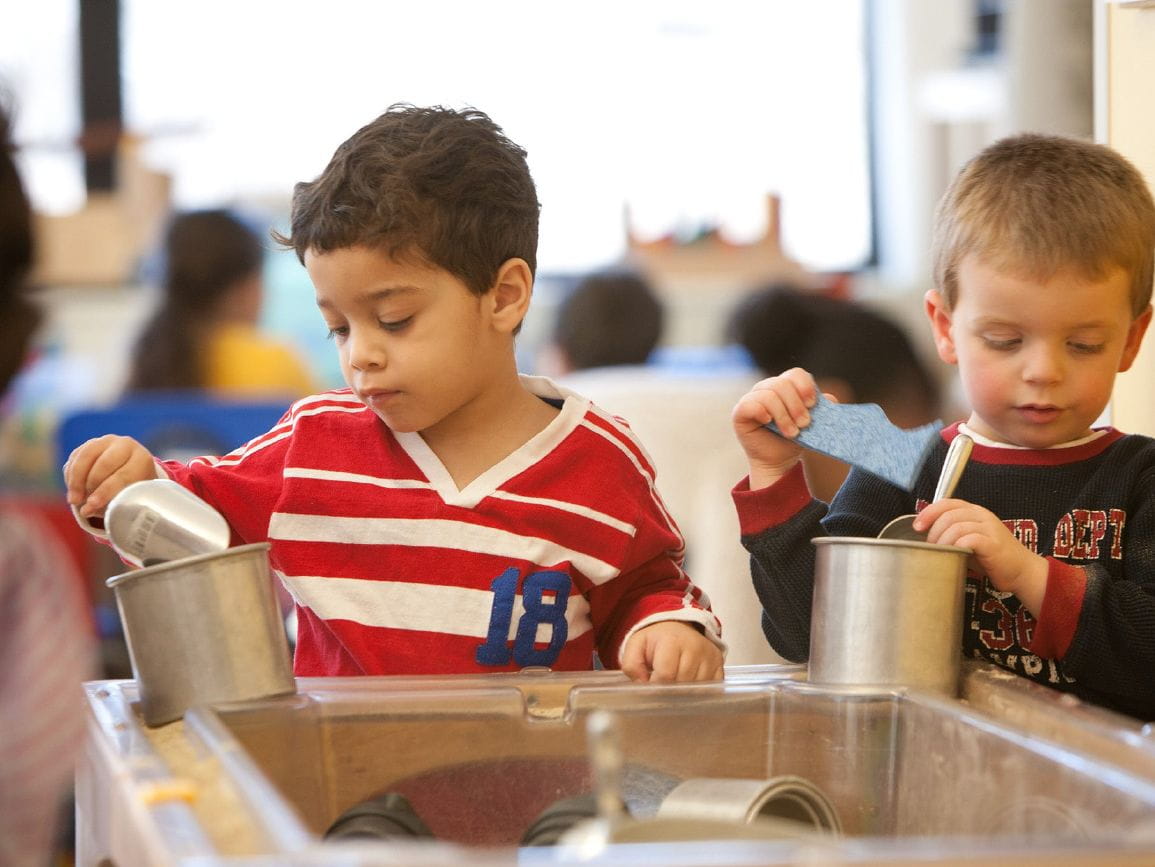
{"points": [[205, 332], [609, 319], [46, 633], [854, 353]]}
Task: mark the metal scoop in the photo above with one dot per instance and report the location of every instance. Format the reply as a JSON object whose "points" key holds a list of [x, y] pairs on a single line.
{"points": [[157, 520], [957, 455]]}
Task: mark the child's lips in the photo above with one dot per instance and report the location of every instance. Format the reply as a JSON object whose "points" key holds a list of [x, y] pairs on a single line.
{"points": [[1039, 413], [379, 397]]}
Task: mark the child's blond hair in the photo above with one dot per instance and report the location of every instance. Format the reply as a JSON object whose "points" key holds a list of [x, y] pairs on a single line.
{"points": [[1033, 204]]}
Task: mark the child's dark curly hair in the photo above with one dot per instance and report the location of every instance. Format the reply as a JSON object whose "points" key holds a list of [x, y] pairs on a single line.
{"points": [[445, 187]]}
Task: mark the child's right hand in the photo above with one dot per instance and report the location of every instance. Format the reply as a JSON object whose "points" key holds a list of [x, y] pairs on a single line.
{"points": [[99, 469], [785, 400]]}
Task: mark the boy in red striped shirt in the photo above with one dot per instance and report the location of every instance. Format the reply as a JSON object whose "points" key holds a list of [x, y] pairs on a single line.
{"points": [[443, 513]]}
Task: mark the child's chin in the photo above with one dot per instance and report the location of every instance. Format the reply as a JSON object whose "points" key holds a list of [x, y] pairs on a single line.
{"points": [[1039, 439], [395, 424]]}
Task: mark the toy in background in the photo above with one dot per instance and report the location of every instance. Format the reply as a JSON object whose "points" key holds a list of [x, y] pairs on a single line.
{"points": [[855, 354], [46, 636], [204, 333]]}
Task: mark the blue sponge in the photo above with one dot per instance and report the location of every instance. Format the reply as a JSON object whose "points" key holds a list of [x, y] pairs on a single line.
{"points": [[861, 434]]}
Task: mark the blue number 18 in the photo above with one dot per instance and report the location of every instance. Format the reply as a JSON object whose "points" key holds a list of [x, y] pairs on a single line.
{"points": [[496, 650]]}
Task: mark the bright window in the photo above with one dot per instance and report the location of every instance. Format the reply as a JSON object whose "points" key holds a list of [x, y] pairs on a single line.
{"points": [[688, 114]]}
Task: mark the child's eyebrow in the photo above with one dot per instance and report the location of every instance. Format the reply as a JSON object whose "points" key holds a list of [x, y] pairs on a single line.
{"points": [[389, 292], [996, 321], [375, 295]]}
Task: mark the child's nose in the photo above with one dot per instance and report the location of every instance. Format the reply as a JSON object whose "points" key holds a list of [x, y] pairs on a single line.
{"points": [[364, 352], [1044, 364]]}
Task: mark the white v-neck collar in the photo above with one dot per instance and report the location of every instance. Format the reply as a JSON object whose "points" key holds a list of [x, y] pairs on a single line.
{"points": [[572, 412]]}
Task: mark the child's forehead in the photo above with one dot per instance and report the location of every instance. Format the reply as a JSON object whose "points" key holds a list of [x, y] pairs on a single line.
{"points": [[1073, 286], [362, 271], [376, 263], [381, 255], [1013, 266]]}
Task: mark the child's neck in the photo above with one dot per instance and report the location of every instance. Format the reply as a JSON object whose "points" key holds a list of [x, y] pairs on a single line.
{"points": [[488, 431]]}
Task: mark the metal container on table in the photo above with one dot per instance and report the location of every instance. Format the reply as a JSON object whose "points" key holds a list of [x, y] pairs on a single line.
{"points": [[887, 612], [203, 629], [787, 800]]}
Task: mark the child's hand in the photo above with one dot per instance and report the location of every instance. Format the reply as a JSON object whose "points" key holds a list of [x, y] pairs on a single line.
{"points": [[1009, 565], [671, 651], [99, 469], [785, 400]]}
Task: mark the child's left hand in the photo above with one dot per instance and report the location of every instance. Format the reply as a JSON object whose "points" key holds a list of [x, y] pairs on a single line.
{"points": [[671, 651], [1009, 565]]}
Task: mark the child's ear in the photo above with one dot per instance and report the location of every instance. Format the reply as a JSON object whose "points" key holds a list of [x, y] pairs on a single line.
{"points": [[509, 297], [1135, 339], [940, 321]]}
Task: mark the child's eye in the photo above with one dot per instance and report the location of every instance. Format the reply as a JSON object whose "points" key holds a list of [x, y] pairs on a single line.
{"points": [[1087, 348], [396, 325], [1003, 345], [338, 333]]}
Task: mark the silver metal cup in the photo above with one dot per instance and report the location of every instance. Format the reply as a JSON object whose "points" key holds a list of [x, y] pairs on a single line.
{"points": [[741, 801], [203, 630], [887, 612], [156, 521]]}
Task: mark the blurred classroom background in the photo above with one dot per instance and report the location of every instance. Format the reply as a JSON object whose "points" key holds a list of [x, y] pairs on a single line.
{"points": [[714, 148]]}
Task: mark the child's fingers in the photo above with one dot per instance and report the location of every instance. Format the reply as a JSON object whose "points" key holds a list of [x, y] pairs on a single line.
{"points": [[671, 652], [101, 495], [633, 661], [666, 664], [78, 468], [787, 410], [803, 383], [706, 665], [107, 468], [787, 398], [751, 415]]}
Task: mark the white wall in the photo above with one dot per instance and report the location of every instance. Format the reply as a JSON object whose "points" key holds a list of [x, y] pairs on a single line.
{"points": [[935, 108], [1125, 72], [911, 40]]}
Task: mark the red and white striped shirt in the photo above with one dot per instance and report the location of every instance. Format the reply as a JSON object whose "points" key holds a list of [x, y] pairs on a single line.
{"points": [[562, 548]]}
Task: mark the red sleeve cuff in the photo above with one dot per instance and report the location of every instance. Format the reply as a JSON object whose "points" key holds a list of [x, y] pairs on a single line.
{"points": [[773, 505], [1062, 602]]}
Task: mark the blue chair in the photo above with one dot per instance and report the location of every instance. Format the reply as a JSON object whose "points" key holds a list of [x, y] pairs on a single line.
{"points": [[172, 425]]}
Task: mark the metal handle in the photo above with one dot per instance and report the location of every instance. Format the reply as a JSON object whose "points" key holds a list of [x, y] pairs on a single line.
{"points": [[952, 466], [606, 759]]}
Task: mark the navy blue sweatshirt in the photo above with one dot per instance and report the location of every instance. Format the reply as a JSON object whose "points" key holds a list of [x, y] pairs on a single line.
{"points": [[1088, 508]]}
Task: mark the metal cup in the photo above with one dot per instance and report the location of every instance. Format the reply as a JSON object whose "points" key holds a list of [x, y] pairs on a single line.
{"points": [[156, 521], [887, 612], [784, 800], [204, 630]]}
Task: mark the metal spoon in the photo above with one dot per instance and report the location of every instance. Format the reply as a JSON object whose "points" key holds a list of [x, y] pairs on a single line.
{"points": [[957, 455], [157, 520]]}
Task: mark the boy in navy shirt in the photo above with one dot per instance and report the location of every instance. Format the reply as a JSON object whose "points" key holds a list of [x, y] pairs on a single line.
{"points": [[1044, 250]]}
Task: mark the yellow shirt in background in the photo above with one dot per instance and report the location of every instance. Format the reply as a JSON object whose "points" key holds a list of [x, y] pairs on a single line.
{"points": [[242, 361]]}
